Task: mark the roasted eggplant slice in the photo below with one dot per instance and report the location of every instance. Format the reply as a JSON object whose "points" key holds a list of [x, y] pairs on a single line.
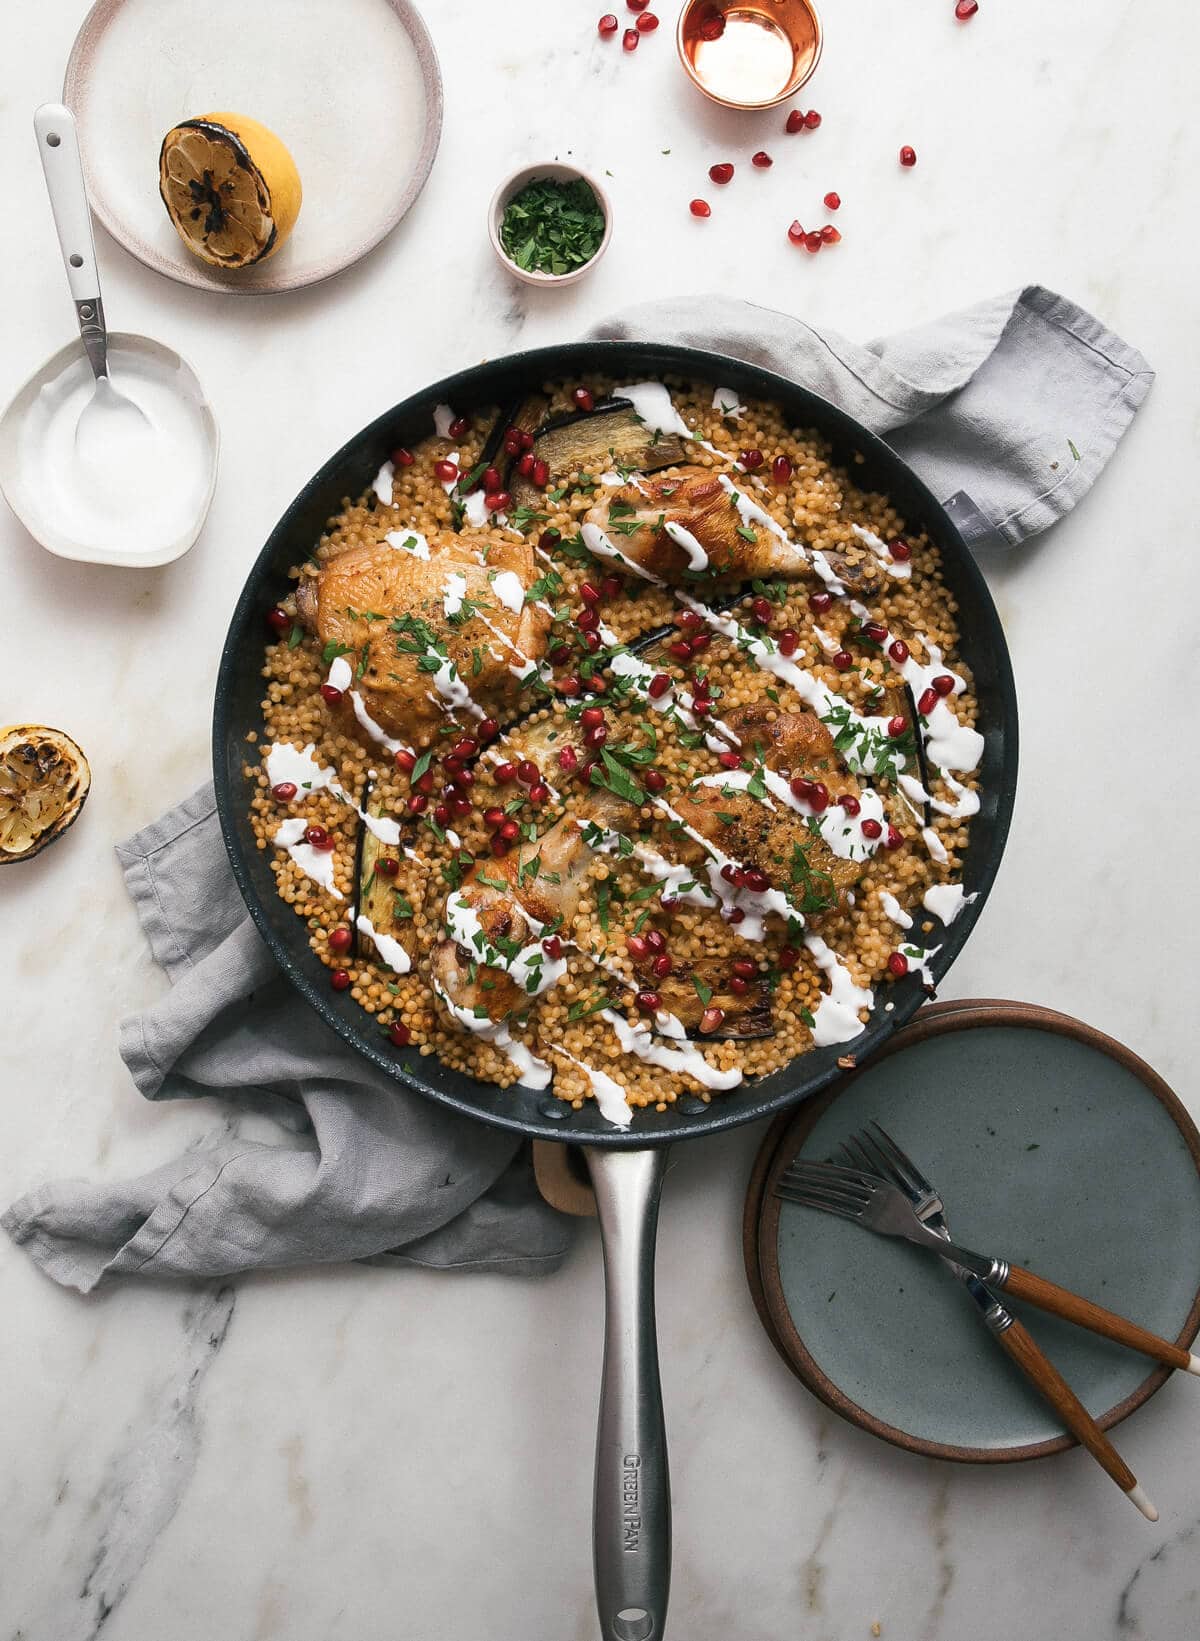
{"points": [[383, 900], [610, 436], [746, 1016]]}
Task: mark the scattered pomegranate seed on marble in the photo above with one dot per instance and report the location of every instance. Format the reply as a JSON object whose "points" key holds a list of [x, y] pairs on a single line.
{"points": [[908, 156], [721, 173], [813, 240], [964, 10], [647, 22], [608, 24], [832, 200], [637, 5], [812, 120], [796, 233], [794, 121], [830, 235], [700, 208], [630, 38], [762, 159]]}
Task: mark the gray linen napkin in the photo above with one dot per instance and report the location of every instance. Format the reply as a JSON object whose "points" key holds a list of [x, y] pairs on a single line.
{"points": [[1008, 410]]}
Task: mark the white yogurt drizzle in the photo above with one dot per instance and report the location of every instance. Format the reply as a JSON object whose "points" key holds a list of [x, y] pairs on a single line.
{"points": [[285, 763], [382, 483], [726, 401], [937, 849], [599, 544], [314, 863], [534, 1073], [454, 592], [836, 1019], [895, 911], [639, 1040], [443, 415], [392, 952], [946, 900], [411, 541], [654, 407], [919, 960], [696, 555], [901, 570], [510, 590], [967, 802], [531, 968], [611, 1097], [474, 506]]}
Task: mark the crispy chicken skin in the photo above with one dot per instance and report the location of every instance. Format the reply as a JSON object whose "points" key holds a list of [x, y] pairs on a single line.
{"points": [[635, 519], [360, 594]]}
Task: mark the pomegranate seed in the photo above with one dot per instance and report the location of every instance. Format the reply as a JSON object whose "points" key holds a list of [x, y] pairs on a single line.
{"points": [[832, 201], [722, 173], [898, 964], [491, 480], [668, 903], [761, 610], [729, 760], [812, 120], [656, 941], [813, 240], [284, 791], [541, 473], [788, 957], [493, 817], [801, 787], [466, 748], [658, 686], [701, 687], [875, 631], [505, 774], [340, 939], [402, 457], [871, 828], [278, 620], [568, 758], [557, 654], [459, 427], [612, 586], [445, 472], [700, 208], [712, 1020], [908, 156], [637, 5], [647, 22], [965, 9], [745, 968], [399, 1034], [897, 726], [525, 437], [630, 39], [680, 649], [441, 814], [461, 806], [608, 24], [758, 882], [330, 693], [795, 121], [339, 980], [819, 797], [539, 792], [700, 641], [548, 540], [712, 27], [405, 761], [386, 866], [781, 470], [762, 159], [510, 831], [418, 803], [796, 233], [662, 966], [894, 839], [929, 699], [317, 837], [584, 399], [499, 848], [635, 945], [552, 946], [900, 550], [527, 772], [595, 737], [849, 803], [738, 986], [843, 660], [424, 783], [589, 594], [751, 459], [588, 620], [789, 641], [898, 650], [654, 780], [701, 708], [944, 684], [570, 685], [729, 872], [525, 465], [830, 235], [591, 640], [512, 444], [499, 503], [818, 603], [688, 618], [649, 1002]]}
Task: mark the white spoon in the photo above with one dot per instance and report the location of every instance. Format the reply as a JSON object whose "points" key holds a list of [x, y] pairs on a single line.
{"points": [[119, 473]]}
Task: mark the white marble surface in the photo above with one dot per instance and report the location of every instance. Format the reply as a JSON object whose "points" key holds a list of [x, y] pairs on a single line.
{"points": [[359, 1453]]}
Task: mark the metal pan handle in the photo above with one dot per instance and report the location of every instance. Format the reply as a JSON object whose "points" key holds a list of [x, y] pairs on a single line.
{"points": [[631, 1526]]}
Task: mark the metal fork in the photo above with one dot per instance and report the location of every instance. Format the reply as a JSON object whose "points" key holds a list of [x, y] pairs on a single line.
{"points": [[883, 1189]]}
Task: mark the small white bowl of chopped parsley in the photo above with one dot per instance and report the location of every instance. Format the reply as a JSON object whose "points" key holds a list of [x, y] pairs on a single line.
{"points": [[549, 224]]}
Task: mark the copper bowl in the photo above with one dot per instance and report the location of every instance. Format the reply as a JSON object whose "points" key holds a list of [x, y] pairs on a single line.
{"points": [[774, 28]]}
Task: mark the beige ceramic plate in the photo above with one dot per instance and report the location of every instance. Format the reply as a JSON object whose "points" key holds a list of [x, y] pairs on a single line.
{"points": [[351, 86]]}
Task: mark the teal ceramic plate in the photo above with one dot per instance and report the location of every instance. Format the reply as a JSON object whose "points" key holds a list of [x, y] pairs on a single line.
{"points": [[1052, 1146]]}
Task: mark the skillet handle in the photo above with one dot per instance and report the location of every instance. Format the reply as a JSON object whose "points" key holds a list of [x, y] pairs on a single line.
{"points": [[631, 1525]]}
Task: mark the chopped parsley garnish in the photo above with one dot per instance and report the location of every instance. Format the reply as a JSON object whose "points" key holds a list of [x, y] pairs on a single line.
{"points": [[552, 227]]}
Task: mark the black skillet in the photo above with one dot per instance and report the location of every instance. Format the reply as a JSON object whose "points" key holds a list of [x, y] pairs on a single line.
{"points": [[632, 1497]]}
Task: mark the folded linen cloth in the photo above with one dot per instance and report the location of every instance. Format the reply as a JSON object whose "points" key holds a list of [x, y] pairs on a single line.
{"points": [[1008, 410]]}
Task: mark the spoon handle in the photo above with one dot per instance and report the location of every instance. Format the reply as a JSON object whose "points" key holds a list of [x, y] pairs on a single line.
{"points": [[58, 145]]}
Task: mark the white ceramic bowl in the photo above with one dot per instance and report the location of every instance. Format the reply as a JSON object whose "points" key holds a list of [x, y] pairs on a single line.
{"points": [[554, 172]]}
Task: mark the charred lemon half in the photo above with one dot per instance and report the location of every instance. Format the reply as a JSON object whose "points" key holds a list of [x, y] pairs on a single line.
{"points": [[44, 782], [230, 187]]}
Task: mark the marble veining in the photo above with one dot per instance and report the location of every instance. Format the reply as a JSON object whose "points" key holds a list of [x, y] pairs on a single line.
{"points": [[375, 1453]]}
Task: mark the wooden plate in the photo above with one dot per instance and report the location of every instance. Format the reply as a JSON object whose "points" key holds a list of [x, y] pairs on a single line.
{"points": [[351, 86], [1055, 1146]]}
